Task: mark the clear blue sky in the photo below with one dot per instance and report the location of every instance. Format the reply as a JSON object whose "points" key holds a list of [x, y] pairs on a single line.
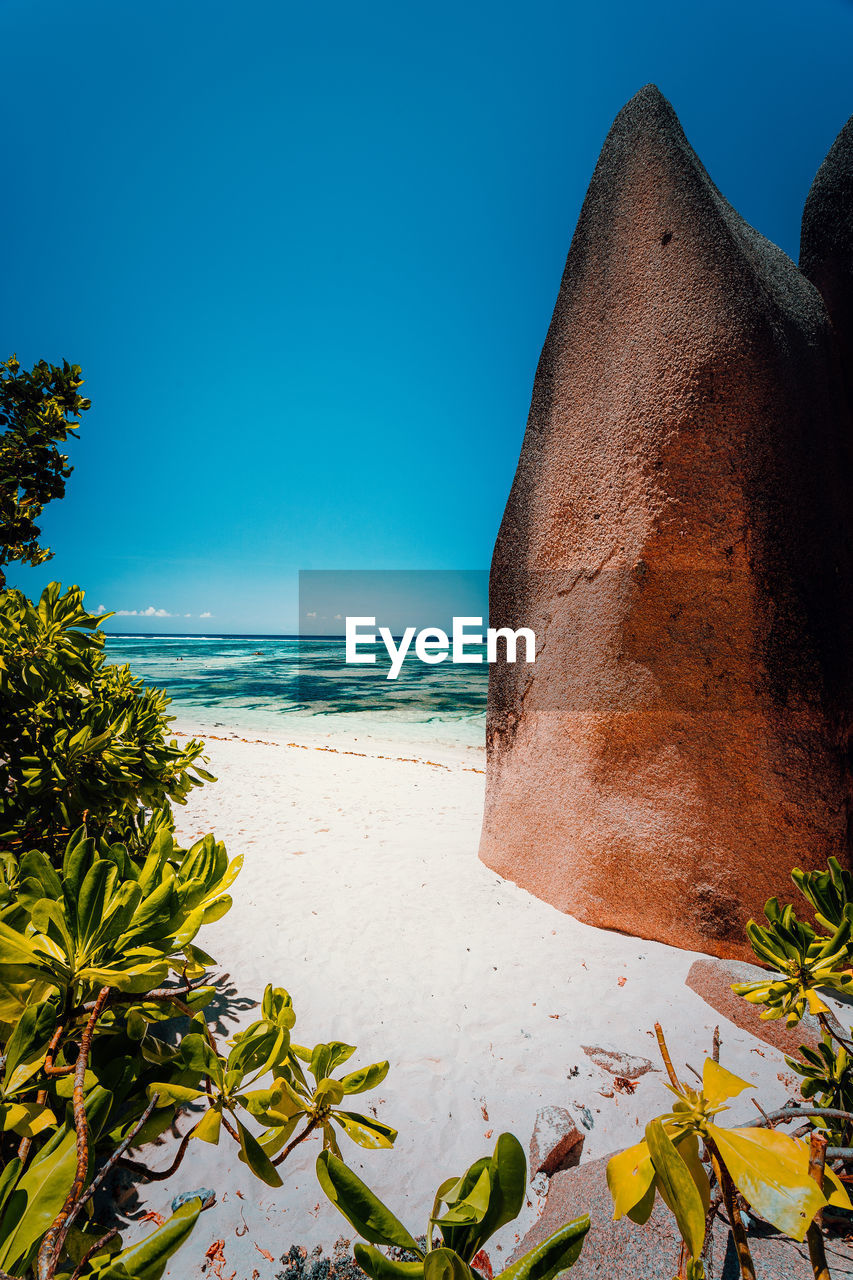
{"points": [[307, 255]]}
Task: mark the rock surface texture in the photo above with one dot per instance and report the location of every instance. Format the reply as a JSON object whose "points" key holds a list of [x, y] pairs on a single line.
{"points": [[622, 1250], [712, 980], [678, 536], [826, 245], [556, 1144]]}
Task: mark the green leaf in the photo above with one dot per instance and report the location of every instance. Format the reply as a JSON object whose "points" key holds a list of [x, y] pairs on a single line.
{"points": [[360, 1206], [366, 1078], [364, 1130], [445, 1264], [465, 1208], [687, 1146], [253, 1154], [169, 1092], [209, 1126], [28, 1040], [677, 1188], [559, 1252], [8, 1178], [328, 1093], [718, 1084], [379, 1267], [35, 1202], [147, 1259], [27, 1119], [96, 886], [508, 1171]]}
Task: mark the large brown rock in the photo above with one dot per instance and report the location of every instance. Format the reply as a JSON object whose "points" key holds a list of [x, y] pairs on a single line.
{"points": [[677, 536]]}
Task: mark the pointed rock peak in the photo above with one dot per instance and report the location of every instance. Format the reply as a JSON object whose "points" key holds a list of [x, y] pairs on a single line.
{"points": [[649, 106], [828, 213], [647, 161], [826, 243], [647, 117]]}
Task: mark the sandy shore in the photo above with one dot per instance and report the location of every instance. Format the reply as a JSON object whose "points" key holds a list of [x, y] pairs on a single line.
{"points": [[362, 894]]}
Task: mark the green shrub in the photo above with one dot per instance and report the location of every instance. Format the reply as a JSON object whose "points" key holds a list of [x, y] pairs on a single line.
{"points": [[466, 1213], [95, 956], [99, 911], [83, 741]]}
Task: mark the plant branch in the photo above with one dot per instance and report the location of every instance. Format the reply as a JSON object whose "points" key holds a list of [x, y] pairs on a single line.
{"points": [[51, 1245], [667, 1060], [143, 1171], [160, 993], [309, 1128], [794, 1113], [90, 1253], [50, 1070], [744, 1257], [114, 1158], [814, 1235], [830, 1030]]}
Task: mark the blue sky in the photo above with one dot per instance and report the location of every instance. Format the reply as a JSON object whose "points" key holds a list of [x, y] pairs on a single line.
{"points": [[307, 255]]}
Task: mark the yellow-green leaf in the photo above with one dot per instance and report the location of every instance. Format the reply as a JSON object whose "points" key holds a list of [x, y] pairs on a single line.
{"points": [[772, 1171], [719, 1085], [677, 1188], [364, 1130], [838, 1196], [208, 1126], [629, 1176]]}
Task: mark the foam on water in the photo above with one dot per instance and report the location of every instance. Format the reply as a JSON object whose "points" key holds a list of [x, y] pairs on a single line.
{"points": [[286, 685]]}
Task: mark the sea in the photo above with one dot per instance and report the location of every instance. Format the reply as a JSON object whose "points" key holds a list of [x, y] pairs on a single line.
{"points": [[256, 685]]}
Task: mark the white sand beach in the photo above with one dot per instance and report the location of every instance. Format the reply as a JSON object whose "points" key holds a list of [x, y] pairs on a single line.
{"points": [[363, 895]]}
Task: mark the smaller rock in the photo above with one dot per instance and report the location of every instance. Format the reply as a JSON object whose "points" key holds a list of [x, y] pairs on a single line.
{"points": [[556, 1144], [204, 1194], [712, 980], [618, 1064]]}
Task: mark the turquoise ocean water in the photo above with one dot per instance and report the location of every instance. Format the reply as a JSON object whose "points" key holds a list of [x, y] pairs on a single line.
{"points": [[283, 684]]}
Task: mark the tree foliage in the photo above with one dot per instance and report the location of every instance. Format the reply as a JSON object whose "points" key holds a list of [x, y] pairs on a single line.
{"points": [[39, 409], [105, 1041], [97, 958], [82, 739]]}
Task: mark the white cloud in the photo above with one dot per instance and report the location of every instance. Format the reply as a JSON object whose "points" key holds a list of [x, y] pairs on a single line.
{"points": [[150, 612], [311, 615]]}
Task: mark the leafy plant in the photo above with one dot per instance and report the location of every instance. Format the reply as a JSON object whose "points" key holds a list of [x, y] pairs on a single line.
{"points": [[86, 952], [769, 1169], [83, 740], [265, 1048], [104, 1042], [806, 959], [467, 1211], [827, 1073], [39, 409]]}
